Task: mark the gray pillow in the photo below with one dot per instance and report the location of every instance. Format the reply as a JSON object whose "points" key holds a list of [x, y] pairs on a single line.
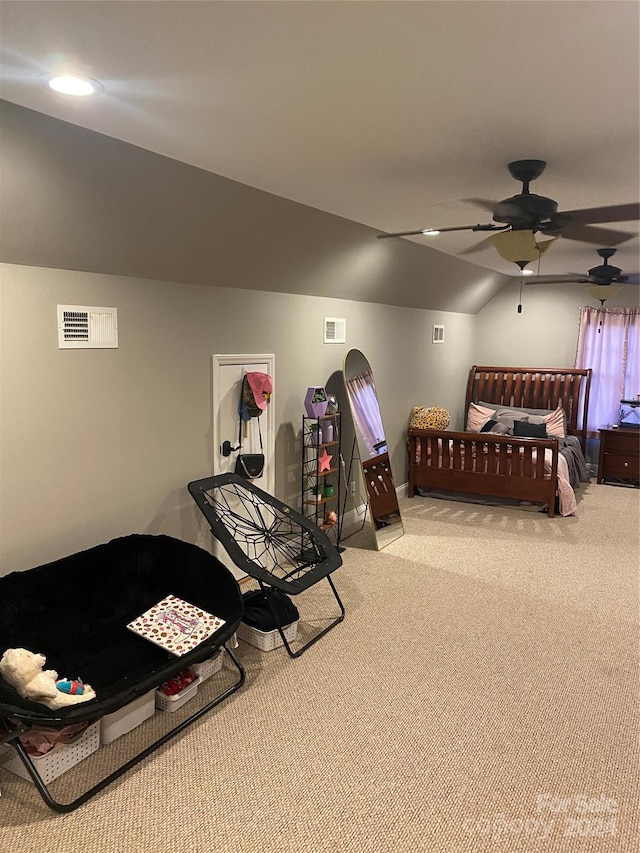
{"points": [[499, 428], [509, 416], [519, 412]]}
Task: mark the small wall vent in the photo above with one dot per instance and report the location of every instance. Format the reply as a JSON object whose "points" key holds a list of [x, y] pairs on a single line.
{"points": [[438, 335], [82, 327], [335, 330]]}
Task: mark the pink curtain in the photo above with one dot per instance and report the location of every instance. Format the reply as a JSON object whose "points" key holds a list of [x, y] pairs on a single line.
{"points": [[366, 412], [609, 343]]}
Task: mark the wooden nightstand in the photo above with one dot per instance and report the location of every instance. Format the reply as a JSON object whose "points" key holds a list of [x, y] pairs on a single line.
{"points": [[619, 454]]}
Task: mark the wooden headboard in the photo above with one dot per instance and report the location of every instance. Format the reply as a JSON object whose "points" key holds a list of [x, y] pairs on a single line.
{"points": [[535, 388]]}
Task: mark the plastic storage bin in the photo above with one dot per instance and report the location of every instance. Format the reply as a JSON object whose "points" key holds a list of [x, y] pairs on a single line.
{"points": [[172, 703], [267, 641], [58, 760], [207, 667], [115, 725]]}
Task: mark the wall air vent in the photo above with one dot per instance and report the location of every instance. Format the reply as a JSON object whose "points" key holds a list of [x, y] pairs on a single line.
{"points": [[82, 327], [335, 330], [438, 335]]}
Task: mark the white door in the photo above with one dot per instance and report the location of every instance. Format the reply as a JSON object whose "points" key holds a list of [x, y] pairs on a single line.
{"points": [[227, 374], [228, 371]]}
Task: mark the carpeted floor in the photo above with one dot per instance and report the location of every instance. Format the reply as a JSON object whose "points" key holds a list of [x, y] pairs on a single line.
{"points": [[482, 694]]}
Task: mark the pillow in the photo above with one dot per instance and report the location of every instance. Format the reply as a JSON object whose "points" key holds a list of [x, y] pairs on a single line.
{"points": [[556, 423], [497, 428], [477, 416], [556, 420], [510, 416], [429, 417], [526, 429]]}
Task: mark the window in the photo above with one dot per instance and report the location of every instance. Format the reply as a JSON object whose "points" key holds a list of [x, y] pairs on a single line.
{"points": [[609, 343]]}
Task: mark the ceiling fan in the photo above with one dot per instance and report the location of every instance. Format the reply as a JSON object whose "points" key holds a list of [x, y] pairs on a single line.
{"points": [[603, 275], [532, 213]]}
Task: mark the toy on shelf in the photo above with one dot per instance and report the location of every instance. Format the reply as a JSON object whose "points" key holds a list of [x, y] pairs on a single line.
{"points": [[331, 518]]}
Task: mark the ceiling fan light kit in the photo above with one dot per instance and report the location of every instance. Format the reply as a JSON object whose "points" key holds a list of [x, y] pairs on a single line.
{"points": [[517, 246], [602, 292]]}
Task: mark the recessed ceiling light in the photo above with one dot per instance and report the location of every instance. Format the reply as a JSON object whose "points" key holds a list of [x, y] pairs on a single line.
{"points": [[527, 272], [69, 84], [430, 232]]}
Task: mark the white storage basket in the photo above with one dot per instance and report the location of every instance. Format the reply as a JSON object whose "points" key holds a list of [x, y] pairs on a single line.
{"points": [[172, 703], [207, 667], [115, 725], [58, 760], [267, 641]]}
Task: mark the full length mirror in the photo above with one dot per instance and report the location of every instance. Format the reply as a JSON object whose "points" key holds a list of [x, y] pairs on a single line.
{"points": [[384, 510]]}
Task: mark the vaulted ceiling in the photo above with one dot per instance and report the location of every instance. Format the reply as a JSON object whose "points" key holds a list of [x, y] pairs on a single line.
{"points": [[395, 114]]}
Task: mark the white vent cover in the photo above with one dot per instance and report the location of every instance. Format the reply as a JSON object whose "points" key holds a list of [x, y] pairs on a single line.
{"points": [[82, 327], [438, 335], [335, 330]]}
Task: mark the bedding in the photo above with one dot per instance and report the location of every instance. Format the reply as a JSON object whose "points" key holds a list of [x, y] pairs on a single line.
{"points": [[537, 416], [480, 414], [512, 422]]}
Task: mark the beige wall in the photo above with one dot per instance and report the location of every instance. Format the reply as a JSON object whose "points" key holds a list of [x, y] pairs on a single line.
{"points": [[100, 443], [545, 334]]}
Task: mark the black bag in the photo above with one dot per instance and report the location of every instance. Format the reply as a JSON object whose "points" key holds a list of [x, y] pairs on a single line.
{"points": [[257, 612], [250, 465]]}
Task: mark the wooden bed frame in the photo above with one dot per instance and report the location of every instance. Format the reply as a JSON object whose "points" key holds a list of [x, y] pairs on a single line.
{"points": [[467, 462]]}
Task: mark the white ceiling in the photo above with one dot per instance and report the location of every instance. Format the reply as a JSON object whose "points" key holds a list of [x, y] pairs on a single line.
{"points": [[389, 113]]}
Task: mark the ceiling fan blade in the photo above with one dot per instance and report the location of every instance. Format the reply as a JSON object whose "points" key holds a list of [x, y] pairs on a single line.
{"points": [[556, 279], [484, 203], [590, 234], [402, 234], [434, 231], [480, 246], [569, 278], [614, 213]]}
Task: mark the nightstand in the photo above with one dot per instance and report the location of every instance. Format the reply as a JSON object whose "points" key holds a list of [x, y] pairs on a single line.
{"points": [[619, 454]]}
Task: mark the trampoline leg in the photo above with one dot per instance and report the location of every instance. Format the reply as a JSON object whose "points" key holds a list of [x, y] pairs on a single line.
{"points": [[69, 807], [296, 654]]}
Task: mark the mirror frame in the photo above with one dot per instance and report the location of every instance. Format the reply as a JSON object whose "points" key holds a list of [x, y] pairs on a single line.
{"points": [[383, 506]]}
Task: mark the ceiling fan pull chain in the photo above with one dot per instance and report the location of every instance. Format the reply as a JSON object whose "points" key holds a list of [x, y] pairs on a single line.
{"points": [[520, 298]]}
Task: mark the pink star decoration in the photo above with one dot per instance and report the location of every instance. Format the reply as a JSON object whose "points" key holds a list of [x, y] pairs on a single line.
{"points": [[324, 461]]}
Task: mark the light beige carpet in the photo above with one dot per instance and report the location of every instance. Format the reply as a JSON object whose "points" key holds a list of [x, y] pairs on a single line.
{"points": [[482, 694]]}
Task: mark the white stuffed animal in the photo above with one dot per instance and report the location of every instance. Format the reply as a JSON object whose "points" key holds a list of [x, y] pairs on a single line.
{"points": [[24, 671]]}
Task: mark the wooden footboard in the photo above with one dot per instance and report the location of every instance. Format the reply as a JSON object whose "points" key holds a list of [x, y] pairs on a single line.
{"points": [[481, 464], [381, 490]]}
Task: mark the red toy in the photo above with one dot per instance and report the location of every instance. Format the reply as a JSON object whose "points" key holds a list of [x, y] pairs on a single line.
{"points": [[178, 683]]}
